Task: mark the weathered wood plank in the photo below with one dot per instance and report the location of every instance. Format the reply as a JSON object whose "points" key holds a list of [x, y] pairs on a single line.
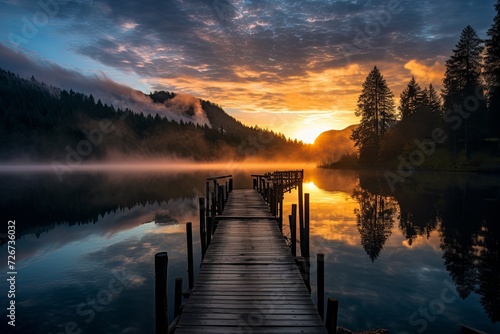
{"points": [[248, 281]]}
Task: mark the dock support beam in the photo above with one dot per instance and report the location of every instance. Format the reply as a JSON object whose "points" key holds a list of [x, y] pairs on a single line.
{"points": [[189, 236], [332, 311], [306, 226], [178, 297], [293, 229], [203, 227], [320, 281], [301, 217], [161, 300]]}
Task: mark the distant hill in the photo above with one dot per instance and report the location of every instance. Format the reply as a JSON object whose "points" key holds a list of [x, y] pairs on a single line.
{"points": [[43, 123], [331, 145]]}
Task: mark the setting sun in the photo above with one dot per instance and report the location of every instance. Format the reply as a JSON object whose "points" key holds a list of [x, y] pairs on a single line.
{"points": [[310, 132]]}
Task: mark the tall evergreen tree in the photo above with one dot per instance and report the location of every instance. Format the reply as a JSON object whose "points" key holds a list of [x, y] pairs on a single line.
{"points": [[411, 99], [433, 101], [376, 108], [461, 84], [492, 72]]}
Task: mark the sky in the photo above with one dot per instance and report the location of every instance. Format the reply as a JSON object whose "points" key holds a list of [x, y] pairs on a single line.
{"points": [[295, 67]]}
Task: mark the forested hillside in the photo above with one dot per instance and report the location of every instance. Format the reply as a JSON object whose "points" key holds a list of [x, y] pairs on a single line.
{"points": [[43, 123]]}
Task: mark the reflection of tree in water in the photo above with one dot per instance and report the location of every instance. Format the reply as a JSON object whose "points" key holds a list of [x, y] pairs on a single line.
{"points": [[489, 272], [375, 218], [470, 240], [418, 216], [465, 209]]}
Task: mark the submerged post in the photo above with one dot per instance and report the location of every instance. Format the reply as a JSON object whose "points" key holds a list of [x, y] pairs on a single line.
{"points": [[332, 312], [178, 297], [293, 229], [161, 300], [320, 281], [189, 235]]}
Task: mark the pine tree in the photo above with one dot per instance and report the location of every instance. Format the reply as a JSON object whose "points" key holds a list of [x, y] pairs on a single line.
{"points": [[376, 108], [433, 101], [492, 72], [411, 100], [461, 84]]}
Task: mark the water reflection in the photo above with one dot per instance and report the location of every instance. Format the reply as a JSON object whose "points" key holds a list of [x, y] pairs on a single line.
{"points": [[458, 212], [388, 254]]}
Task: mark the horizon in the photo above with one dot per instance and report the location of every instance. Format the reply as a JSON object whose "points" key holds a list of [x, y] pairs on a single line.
{"points": [[295, 68]]}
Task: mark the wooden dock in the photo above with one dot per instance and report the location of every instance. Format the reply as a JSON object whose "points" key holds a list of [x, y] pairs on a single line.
{"points": [[248, 281]]}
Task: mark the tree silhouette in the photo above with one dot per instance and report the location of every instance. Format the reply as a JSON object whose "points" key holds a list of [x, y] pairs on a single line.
{"points": [[411, 100], [463, 83], [376, 108], [492, 72]]}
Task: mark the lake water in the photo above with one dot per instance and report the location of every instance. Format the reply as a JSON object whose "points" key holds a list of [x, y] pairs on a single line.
{"points": [[422, 259]]}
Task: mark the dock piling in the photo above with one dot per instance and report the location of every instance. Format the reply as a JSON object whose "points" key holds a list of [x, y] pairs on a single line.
{"points": [[189, 236], [161, 300], [306, 226], [301, 216], [203, 227], [332, 311], [320, 281], [178, 297], [293, 229]]}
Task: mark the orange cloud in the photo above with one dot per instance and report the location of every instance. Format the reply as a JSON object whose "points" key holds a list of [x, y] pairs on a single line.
{"points": [[426, 74]]}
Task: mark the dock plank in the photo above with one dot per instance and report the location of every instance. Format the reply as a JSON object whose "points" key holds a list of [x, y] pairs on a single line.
{"points": [[248, 280]]}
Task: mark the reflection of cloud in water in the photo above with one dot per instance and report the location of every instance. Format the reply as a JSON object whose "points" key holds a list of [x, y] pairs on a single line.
{"points": [[108, 226], [82, 268]]}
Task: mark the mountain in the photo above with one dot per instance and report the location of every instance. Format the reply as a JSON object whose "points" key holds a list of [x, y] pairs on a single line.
{"points": [[43, 123], [331, 145]]}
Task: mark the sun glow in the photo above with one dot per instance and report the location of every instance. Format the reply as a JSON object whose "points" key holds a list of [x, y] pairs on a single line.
{"points": [[309, 132]]}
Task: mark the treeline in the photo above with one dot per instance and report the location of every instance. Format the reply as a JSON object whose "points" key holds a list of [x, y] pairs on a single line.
{"points": [[41, 123], [457, 129]]}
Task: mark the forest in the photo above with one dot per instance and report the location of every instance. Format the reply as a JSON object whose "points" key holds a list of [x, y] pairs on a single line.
{"points": [[41, 123], [456, 129]]}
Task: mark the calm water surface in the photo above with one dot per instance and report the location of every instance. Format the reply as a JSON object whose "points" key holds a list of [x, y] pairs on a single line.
{"points": [[422, 259]]}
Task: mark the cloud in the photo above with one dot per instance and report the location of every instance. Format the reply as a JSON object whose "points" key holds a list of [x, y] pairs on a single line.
{"points": [[433, 73], [103, 88], [268, 56]]}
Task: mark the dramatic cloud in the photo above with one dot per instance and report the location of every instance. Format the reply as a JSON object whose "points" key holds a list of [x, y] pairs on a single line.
{"points": [[105, 89], [252, 56]]}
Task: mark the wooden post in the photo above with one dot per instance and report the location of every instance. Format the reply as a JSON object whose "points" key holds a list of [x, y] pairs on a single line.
{"points": [[220, 201], [230, 185], [189, 235], [255, 183], [306, 225], [178, 297], [207, 196], [320, 282], [293, 229], [161, 299], [281, 195], [203, 227], [214, 211], [301, 217], [275, 199], [332, 312]]}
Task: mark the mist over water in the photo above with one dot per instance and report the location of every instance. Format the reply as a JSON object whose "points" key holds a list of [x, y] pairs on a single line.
{"points": [[157, 165]]}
